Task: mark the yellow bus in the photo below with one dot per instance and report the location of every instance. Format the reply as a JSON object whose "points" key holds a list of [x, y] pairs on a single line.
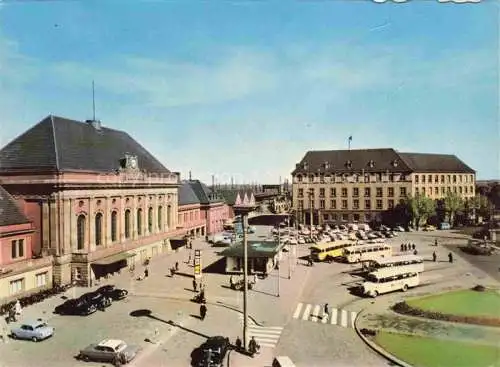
{"points": [[362, 253], [322, 251]]}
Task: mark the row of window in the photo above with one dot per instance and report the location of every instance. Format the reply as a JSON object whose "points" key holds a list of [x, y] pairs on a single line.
{"points": [[379, 191], [344, 204], [443, 190], [19, 285], [98, 225], [356, 217], [374, 177], [191, 215], [444, 179]]}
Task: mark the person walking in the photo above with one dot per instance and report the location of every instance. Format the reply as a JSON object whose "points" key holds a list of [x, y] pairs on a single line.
{"points": [[189, 259], [402, 247], [176, 266], [434, 256], [195, 285], [435, 242], [203, 311], [238, 343], [146, 272], [231, 281], [413, 246], [326, 311], [450, 258]]}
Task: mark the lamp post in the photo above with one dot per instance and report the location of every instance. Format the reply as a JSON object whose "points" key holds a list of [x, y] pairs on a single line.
{"points": [[243, 210], [279, 254]]}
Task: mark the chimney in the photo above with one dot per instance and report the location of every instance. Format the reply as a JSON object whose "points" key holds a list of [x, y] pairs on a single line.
{"points": [[213, 182]]}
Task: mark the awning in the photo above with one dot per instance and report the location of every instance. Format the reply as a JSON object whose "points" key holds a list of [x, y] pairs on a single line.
{"points": [[113, 258]]}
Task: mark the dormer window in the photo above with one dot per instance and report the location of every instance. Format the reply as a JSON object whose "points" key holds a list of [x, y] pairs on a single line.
{"points": [[348, 164], [371, 163], [395, 163], [305, 165], [326, 165]]}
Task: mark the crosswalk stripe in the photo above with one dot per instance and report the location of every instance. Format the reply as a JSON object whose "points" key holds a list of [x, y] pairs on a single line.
{"points": [[324, 318], [353, 318], [266, 336], [343, 318], [333, 321], [306, 313], [315, 314], [297, 311]]}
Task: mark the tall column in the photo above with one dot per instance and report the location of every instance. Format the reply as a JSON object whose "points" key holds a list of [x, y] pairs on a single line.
{"points": [[72, 220], [107, 221], [133, 218], [91, 225], [45, 240], [53, 225], [66, 223]]}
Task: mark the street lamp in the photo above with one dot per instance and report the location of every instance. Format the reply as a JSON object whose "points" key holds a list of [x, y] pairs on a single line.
{"points": [[243, 210]]}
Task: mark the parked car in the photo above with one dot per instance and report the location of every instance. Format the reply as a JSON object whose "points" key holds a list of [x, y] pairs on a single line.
{"points": [[429, 228], [109, 350], [444, 226], [34, 330], [97, 299], [399, 229], [75, 307], [478, 248], [214, 351], [110, 291]]}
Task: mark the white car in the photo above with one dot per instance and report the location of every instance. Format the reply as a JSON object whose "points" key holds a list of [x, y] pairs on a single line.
{"points": [[399, 229], [301, 241]]}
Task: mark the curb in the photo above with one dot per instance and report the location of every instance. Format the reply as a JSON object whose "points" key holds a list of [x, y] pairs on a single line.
{"points": [[376, 348], [186, 299]]}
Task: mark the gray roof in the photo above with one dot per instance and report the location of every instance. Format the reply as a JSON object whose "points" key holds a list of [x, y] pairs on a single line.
{"points": [[255, 249], [205, 194], [60, 144], [186, 194], [425, 162], [377, 161], [9, 211]]}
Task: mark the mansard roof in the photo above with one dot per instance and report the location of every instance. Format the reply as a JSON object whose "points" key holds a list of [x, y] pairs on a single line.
{"points": [[196, 192], [60, 144], [230, 195], [377, 161], [10, 213], [187, 196]]}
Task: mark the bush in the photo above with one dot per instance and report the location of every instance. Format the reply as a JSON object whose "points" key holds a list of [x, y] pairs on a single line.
{"points": [[479, 288]]}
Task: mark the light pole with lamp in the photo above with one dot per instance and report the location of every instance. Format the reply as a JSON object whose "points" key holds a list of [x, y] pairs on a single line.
{"points": [[243, 210], [279, 254]]}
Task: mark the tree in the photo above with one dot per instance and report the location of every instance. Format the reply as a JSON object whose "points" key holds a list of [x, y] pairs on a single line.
{"points": [[421, 208], [452, 204]]}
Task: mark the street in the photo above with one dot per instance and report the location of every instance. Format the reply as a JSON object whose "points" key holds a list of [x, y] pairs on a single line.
{"points": [[166, 323]]}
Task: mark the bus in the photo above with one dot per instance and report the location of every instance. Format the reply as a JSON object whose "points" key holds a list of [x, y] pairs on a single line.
{"points": [[362, 253], [329, 250], [412, 262], [389, 279]]}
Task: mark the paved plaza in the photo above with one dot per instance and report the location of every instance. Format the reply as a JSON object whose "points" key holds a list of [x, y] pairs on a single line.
{"points": [[291, 324]]}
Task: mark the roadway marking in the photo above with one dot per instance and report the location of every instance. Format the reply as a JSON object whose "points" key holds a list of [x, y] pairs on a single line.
{"points": [[315, 314], [334, 317], [353, 318], [343, 318], [307, 311], [297, 311], [324, 319]]}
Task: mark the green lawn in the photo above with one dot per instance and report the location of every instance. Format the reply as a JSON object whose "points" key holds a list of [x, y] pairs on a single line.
{"points": [[463, 303], [427, 352]]}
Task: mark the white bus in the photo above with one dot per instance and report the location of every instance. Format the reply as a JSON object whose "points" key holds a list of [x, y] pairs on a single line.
{"points": [[367, 252], [389, 279], [411, 262]]}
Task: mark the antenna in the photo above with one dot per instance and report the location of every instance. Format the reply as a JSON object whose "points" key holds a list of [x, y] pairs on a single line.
{"points": [[93, 101]]}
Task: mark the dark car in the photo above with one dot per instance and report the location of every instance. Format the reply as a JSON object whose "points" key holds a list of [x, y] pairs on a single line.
{"points": [[477, 248], [97, 299], [110, 291], [214, 351], [75, 307]]}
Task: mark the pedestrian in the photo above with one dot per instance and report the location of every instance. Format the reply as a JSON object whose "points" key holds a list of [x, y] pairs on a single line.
{"points": [[435, 242], [415, 252], [450, 258], [238, 343], [231, 281], [176, 266], [326, 311], [146, 272], [402, 247], [191, 244], [434, 256], [413, 247], [189, 259], [195, 286], [203, 311]]}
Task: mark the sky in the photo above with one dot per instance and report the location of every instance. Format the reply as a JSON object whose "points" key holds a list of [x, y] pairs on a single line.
{"points": [[242, 89]]}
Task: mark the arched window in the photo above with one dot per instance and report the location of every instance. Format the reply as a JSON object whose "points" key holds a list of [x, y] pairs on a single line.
{"points": [[160, 215], [98, 229], [114, 216], [150, 220], [80, 231], [139, 221], [127, 223]]}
